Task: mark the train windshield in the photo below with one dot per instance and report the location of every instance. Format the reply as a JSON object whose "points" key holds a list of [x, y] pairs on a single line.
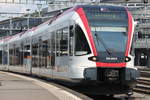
{"points": [[109, 29]]}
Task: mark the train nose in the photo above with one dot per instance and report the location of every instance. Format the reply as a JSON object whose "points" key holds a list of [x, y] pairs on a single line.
{"points": [[101, 74], [122, 75]]}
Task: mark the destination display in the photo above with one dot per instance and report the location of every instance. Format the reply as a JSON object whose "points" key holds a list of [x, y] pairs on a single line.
{"points": [[109, 29], [107, 15]]}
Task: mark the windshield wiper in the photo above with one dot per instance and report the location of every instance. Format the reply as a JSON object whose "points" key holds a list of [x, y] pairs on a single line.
{"points": [[102, 42]]}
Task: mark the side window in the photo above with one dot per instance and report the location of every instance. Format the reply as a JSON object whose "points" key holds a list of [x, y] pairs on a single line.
{"points": [[71, 40], [58, 37], [35, 55], [0, 56], [62, 42], [81, 44], [5, 55]]}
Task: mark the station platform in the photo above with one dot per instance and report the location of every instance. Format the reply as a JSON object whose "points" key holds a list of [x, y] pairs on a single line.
{"points": [[18, 87]]}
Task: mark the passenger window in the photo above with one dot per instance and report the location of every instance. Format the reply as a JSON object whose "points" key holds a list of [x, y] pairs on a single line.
{"points": [[71, 40], [1, 56], [81, 45], [5, 55], [58, 37], [35, 55], [62, 42]]}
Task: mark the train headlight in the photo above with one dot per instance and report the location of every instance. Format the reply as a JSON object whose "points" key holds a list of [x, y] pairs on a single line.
{"points": [[93, 58], [127, 59]]}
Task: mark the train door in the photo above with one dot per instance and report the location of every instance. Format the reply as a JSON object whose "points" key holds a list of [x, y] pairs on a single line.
{"points": [[44, 55], [35, 55], [5, 55], [51, 53], [39, 53], [0, 56], [62, 53]]}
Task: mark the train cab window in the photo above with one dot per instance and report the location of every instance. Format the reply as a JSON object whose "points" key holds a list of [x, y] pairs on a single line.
{"points": [[81, 45]]}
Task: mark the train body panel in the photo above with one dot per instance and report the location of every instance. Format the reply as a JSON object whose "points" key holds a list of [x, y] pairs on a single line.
{"points": [[85, 44]]}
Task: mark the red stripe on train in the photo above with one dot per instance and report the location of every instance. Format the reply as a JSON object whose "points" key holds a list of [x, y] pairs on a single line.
{"points": [[100, 64], [130, 26]]}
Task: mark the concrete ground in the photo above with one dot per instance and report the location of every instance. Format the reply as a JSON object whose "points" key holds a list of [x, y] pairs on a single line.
{"points": [[19, 87], [15, 88]]}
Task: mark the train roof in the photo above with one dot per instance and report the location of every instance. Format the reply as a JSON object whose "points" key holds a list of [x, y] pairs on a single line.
{"points": [[108, 7]]}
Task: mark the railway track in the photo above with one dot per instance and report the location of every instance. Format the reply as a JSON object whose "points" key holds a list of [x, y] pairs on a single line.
{"points": [[143, 85]]}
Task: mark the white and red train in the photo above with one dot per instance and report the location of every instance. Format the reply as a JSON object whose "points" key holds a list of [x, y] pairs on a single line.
{"points": [[86, 44]]}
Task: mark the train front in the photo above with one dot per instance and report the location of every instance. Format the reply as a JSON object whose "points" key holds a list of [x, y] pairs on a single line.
{"points": [[111, 29]]}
